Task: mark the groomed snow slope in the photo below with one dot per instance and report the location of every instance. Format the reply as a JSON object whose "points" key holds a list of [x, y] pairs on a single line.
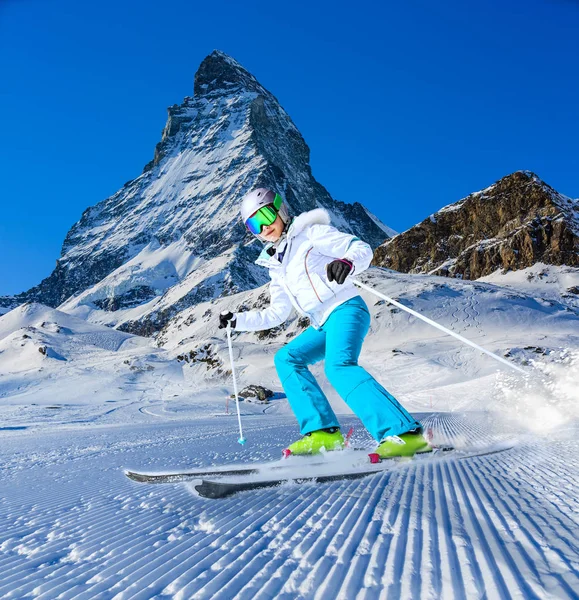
{"points": [[500, 526]]}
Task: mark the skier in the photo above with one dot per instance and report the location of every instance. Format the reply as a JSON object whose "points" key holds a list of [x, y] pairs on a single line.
{"points": [[309, 263]]}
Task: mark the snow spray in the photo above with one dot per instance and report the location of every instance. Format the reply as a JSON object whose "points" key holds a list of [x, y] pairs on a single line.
{"points": [[546, 403]]}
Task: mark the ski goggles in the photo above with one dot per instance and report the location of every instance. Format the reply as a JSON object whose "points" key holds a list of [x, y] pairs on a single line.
{"points": [[266, 215]]}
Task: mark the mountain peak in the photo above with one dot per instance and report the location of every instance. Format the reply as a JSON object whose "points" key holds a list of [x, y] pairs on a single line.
{"points": [[172, 238], [218, 72]]}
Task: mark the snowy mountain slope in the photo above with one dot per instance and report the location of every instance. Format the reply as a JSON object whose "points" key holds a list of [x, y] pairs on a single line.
{"points": [[35, 316], [417, 363], [48, 357], [550, 282], [398, 347], [123, 254]]}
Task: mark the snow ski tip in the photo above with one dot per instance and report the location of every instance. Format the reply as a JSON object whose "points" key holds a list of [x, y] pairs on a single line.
{"points": [[178, 477]]}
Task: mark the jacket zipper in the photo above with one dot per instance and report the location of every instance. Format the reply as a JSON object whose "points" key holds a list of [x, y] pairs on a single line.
{"points": [[285, 285]]}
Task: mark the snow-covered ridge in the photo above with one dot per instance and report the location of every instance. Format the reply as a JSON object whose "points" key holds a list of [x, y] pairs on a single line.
{"points": [[50, 357]]}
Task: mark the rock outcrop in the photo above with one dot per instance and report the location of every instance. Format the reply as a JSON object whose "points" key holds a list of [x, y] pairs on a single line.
{"points": [[511, 225]]}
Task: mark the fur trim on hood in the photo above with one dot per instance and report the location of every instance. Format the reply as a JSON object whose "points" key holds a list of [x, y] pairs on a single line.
{"points": [[318, 216]]}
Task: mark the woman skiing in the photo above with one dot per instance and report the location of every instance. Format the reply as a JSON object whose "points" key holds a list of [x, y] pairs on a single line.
{"points": [[309, 262]]}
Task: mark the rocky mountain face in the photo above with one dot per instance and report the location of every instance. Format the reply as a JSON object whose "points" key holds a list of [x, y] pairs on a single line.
{"points": [[172, 237], [511, 225]]}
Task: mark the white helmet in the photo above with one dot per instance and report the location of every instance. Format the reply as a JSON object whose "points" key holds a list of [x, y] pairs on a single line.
{"points": [[259, 198]]}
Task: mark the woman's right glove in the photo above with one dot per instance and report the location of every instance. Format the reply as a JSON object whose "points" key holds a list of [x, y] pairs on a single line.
{"points": [[227, 318]]}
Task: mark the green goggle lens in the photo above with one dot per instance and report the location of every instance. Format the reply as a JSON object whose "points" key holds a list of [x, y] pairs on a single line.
{"points": [[263, 217]]}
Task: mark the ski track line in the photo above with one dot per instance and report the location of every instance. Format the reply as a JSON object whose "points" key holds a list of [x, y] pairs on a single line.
{"points": [[320, 531], [554, 539], [353, 540], [385, 513], [523, 531], [290, 587], [156, 537], [232, 545], [261, 585], [274, 552], [183, 571], [484, 549], [396, 562], [548, 476], [527, 476], [497, 526], [458, 542], [548, 531], [107, 525], [213, 587], [274, 576], [329, 573], [233, 586], [203, 556], [560, 538], [316, 556], [547, 482]]}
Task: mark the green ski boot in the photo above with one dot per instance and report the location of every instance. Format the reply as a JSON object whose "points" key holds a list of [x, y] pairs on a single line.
{"points": [[405, 444], [323, 440]]}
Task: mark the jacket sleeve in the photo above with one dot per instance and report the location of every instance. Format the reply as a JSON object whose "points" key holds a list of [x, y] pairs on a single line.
{"points": [[275, 314], [331, 242]]}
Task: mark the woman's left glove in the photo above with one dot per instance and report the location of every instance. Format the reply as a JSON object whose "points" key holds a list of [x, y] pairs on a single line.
{"points": [[227, 318], [338, 270]]}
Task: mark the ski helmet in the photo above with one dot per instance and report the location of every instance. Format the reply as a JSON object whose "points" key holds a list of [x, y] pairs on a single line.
{"points": [[262, 198]]}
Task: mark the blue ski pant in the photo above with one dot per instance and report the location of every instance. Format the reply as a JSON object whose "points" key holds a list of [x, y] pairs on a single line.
{"points": [[339, 342]]}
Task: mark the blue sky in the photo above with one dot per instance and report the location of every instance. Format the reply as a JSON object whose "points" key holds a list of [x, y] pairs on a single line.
{"points": [[406, 106]]}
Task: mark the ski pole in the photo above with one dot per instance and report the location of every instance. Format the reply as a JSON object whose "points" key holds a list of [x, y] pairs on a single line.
{"points": [[435, 324], [241, 439]]}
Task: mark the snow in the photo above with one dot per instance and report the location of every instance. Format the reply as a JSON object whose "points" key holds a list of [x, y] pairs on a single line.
{"points": [[163, 269], [73, 526], [387, 230], [548, 282]]}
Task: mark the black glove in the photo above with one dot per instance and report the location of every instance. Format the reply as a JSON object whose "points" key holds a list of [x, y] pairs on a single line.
{"points": [[225, 319], [338, 270]]}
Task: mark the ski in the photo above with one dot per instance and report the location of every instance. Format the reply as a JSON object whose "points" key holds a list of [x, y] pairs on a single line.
{"points": [[244, 469], [221, 489], [186, 475]]}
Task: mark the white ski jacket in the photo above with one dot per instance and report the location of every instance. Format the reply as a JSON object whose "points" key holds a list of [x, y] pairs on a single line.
{"points": [[299, 281]]}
